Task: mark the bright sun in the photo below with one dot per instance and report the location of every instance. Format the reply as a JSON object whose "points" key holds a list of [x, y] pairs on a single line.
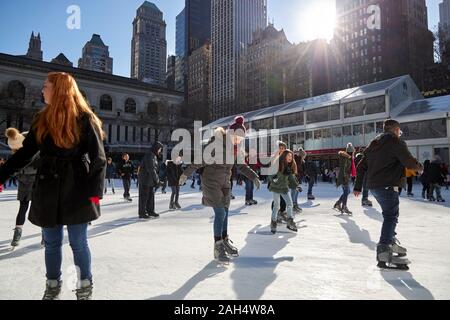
{"points": [[318, 21]]}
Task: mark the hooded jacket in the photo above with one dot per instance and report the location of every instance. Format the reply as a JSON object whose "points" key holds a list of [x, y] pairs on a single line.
{"points": [[384, 162], [345, 166], [148, 169]]}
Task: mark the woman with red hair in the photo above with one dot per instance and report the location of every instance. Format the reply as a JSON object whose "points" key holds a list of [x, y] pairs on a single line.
{"points": [[69, 180]]}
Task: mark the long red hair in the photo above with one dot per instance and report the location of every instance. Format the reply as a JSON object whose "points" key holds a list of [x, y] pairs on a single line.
{"points": [[60, 118]]}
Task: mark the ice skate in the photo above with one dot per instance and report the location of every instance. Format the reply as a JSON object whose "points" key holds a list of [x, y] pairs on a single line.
{"points": [[220, 254], [398, 249], [337, 207], [52, 290], [273, 226], [366, 203], [172, 207], [153, 215], [387, 260], [113, 191], [254, 201], [423, 195], [291, 225], [84, 292], [282, 216], [248, 203], [144, 217], [177, 205], [297, 209], [410, 194], [346, 210], [440, 199], [229, 248], [311, 197], [432, 198], [16, 237], [232, 197]]}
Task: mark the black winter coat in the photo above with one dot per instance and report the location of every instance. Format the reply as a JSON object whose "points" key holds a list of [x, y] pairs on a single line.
{"points": [[148, 170], [174, 172], [435, 174], [64, 181], [384, 163], [126, 168]]}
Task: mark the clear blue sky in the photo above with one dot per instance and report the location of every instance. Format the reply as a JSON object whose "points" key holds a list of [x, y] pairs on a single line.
{"points": [[112, 19]]}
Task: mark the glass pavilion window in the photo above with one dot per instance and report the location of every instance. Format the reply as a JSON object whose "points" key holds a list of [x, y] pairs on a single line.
{"points": [[290, 120], [430, 129]]}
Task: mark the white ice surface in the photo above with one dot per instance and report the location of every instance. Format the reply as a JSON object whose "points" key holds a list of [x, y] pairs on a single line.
{"points": [[331, 257]]}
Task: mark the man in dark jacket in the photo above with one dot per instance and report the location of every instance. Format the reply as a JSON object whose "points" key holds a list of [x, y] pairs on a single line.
{"points": [[383, 164], [148, 180], [365, 191], [110, 175], [311, 172], [436, 178], [126, 170]]}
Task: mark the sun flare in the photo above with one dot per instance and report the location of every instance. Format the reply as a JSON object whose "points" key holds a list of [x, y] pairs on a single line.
{"points": [[318, 21]]}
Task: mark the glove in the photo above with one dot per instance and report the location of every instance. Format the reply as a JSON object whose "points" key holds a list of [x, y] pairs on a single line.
{"points": [[95, 200], [257, 183], [299, 189], [182, 180]]}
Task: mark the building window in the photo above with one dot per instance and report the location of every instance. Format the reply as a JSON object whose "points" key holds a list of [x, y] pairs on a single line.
{"points": [[109, 133], [375, 105], [430, 129], [16, 90], [290, 120], [106, 102], [130, 106], [134, 134], [118, 133], [126, 133], [354, 109]]}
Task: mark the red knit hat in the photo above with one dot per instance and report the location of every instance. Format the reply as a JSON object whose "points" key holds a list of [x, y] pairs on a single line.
{"points": [[238, 125]]}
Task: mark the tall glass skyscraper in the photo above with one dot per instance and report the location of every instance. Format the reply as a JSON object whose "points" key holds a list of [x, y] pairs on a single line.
{"points": [[233, 23]]}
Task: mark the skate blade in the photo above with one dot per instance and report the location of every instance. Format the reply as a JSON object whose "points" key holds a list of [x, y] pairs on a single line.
{"points": [[385, 266]]}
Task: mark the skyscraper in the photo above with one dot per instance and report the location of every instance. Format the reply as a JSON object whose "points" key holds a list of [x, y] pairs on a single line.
{"points": [[232, 25], [444, 14], [198, 24], [95, 56], [181, 52], [381, 39], [170, 77], [34, 47], [149, 46]]}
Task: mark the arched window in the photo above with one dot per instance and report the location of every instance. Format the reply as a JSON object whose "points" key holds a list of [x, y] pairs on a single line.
{"points": [[130, 106], [106, 102], [16, 90], [152, 109]]}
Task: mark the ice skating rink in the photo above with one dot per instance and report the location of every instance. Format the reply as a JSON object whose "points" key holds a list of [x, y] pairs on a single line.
{"points": [[331, 257]]}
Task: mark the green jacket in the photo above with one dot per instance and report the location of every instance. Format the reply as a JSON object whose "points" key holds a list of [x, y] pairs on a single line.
{"points": [[345, 166], [282, 183]]}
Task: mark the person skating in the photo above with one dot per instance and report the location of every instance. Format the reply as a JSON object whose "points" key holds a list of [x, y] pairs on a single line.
{"points": [[299, 158], [384, 163], [311, 173], [110, 175], [216, 183], [68, 187], [162, 172], [26, 177], [174, 172], [365, 191], [436, 178], [424, 179], [280, 184], [410, 174], [344, 178], [126, 169], [252, 161], [148, 180]]}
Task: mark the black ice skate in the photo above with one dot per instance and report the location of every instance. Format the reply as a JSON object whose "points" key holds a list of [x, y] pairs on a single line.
{"points": [[220, 254], [153, 215], [282, 216], [229, 248], [16, 237], [291, 225], [85, 290], [346, 211], [388, 260], [337, 207], [177, 205], [273, 226], [311, 197], [254, 201], [297, 209], [410, 194], [432, 198], [172, 207], [366, 203], [232, 197], [398, 249], [440, 199], [248, 203], [52, 290]]}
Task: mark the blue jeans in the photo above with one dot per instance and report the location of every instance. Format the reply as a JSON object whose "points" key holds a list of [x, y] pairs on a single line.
{"points": [[345, 193], [248, 189], [310, 186], [220, 222], [294, 196], [53, 238], [276, 204], [389, 202]]}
